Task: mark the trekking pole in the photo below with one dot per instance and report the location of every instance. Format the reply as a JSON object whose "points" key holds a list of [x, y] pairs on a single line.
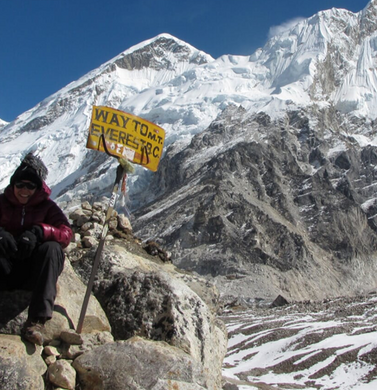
{"points": [[119, 176]]}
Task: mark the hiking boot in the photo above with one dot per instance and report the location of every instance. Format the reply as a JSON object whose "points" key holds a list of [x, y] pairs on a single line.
{"points": [[33, 331]]}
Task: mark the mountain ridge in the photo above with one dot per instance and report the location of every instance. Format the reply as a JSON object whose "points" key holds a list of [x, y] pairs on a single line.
{"points": [[304, 105], [267, 214]]}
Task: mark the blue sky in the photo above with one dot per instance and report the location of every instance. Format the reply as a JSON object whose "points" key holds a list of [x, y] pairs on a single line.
{"points": [[46, 44]]}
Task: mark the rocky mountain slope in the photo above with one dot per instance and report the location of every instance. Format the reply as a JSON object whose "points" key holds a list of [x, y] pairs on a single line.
{"points": [[270, 206]]}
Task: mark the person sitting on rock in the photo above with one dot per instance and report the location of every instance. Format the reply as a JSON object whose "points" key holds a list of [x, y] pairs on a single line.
{"points": [[33, 233]]}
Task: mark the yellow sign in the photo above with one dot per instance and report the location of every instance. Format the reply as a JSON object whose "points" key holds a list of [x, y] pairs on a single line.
{"points": [[127, 136]]}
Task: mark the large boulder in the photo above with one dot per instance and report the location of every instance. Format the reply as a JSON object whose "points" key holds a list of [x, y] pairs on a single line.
{"points": [[68, 303], [152, 300], [139, 364], [70, 298], [21, 366]]}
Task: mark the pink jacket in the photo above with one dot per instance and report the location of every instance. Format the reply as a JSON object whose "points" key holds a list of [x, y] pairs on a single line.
{"points": [[40, 210]]}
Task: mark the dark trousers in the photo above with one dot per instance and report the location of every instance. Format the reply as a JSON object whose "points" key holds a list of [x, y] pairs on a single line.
{"points": [[39, 274]]}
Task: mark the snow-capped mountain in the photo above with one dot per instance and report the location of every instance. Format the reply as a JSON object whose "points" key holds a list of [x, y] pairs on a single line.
{"points": [[57, 128], [269, 158], [326, 60]]}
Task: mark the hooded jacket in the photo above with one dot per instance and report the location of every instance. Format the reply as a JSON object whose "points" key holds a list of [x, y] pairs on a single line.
{"points": [[39, 210]]}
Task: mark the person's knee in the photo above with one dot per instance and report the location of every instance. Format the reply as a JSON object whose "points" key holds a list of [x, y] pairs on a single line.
{"points": [[51, 250], [51, 247]]}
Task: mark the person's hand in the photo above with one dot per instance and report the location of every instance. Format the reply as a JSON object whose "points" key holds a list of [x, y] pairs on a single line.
{"points": [[8, 244], [38, 231], [26, 244]]}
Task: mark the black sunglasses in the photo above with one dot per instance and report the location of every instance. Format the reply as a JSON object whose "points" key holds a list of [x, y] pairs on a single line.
{"points": [[22, 184]]}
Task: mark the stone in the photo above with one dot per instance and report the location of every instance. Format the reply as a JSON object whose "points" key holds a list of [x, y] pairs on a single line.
{"points": [[230, 386], [98, 206], [82, 220], [139, 364], [98, 217], [71, 292], [152, 248], [90, 341], [50, 351], [62, 374], [86, 226], [21, 365], [71, 337], [279, 301], [50, 360], [89, 242], [94, 231], [72, 246], [86, 206], [113, 223], [124, 223], [78, 213]]}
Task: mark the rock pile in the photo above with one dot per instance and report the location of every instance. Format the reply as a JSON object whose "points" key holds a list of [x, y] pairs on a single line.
{"points": [[148, 324], [87, 223]]}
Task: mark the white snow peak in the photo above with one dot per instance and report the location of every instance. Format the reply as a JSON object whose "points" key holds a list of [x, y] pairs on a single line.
{"points": [[328, 59]]}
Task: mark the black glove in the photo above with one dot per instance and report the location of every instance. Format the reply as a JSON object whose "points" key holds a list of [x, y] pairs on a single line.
{"points": [[26, 244], [8, 245], [38, 231]]}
